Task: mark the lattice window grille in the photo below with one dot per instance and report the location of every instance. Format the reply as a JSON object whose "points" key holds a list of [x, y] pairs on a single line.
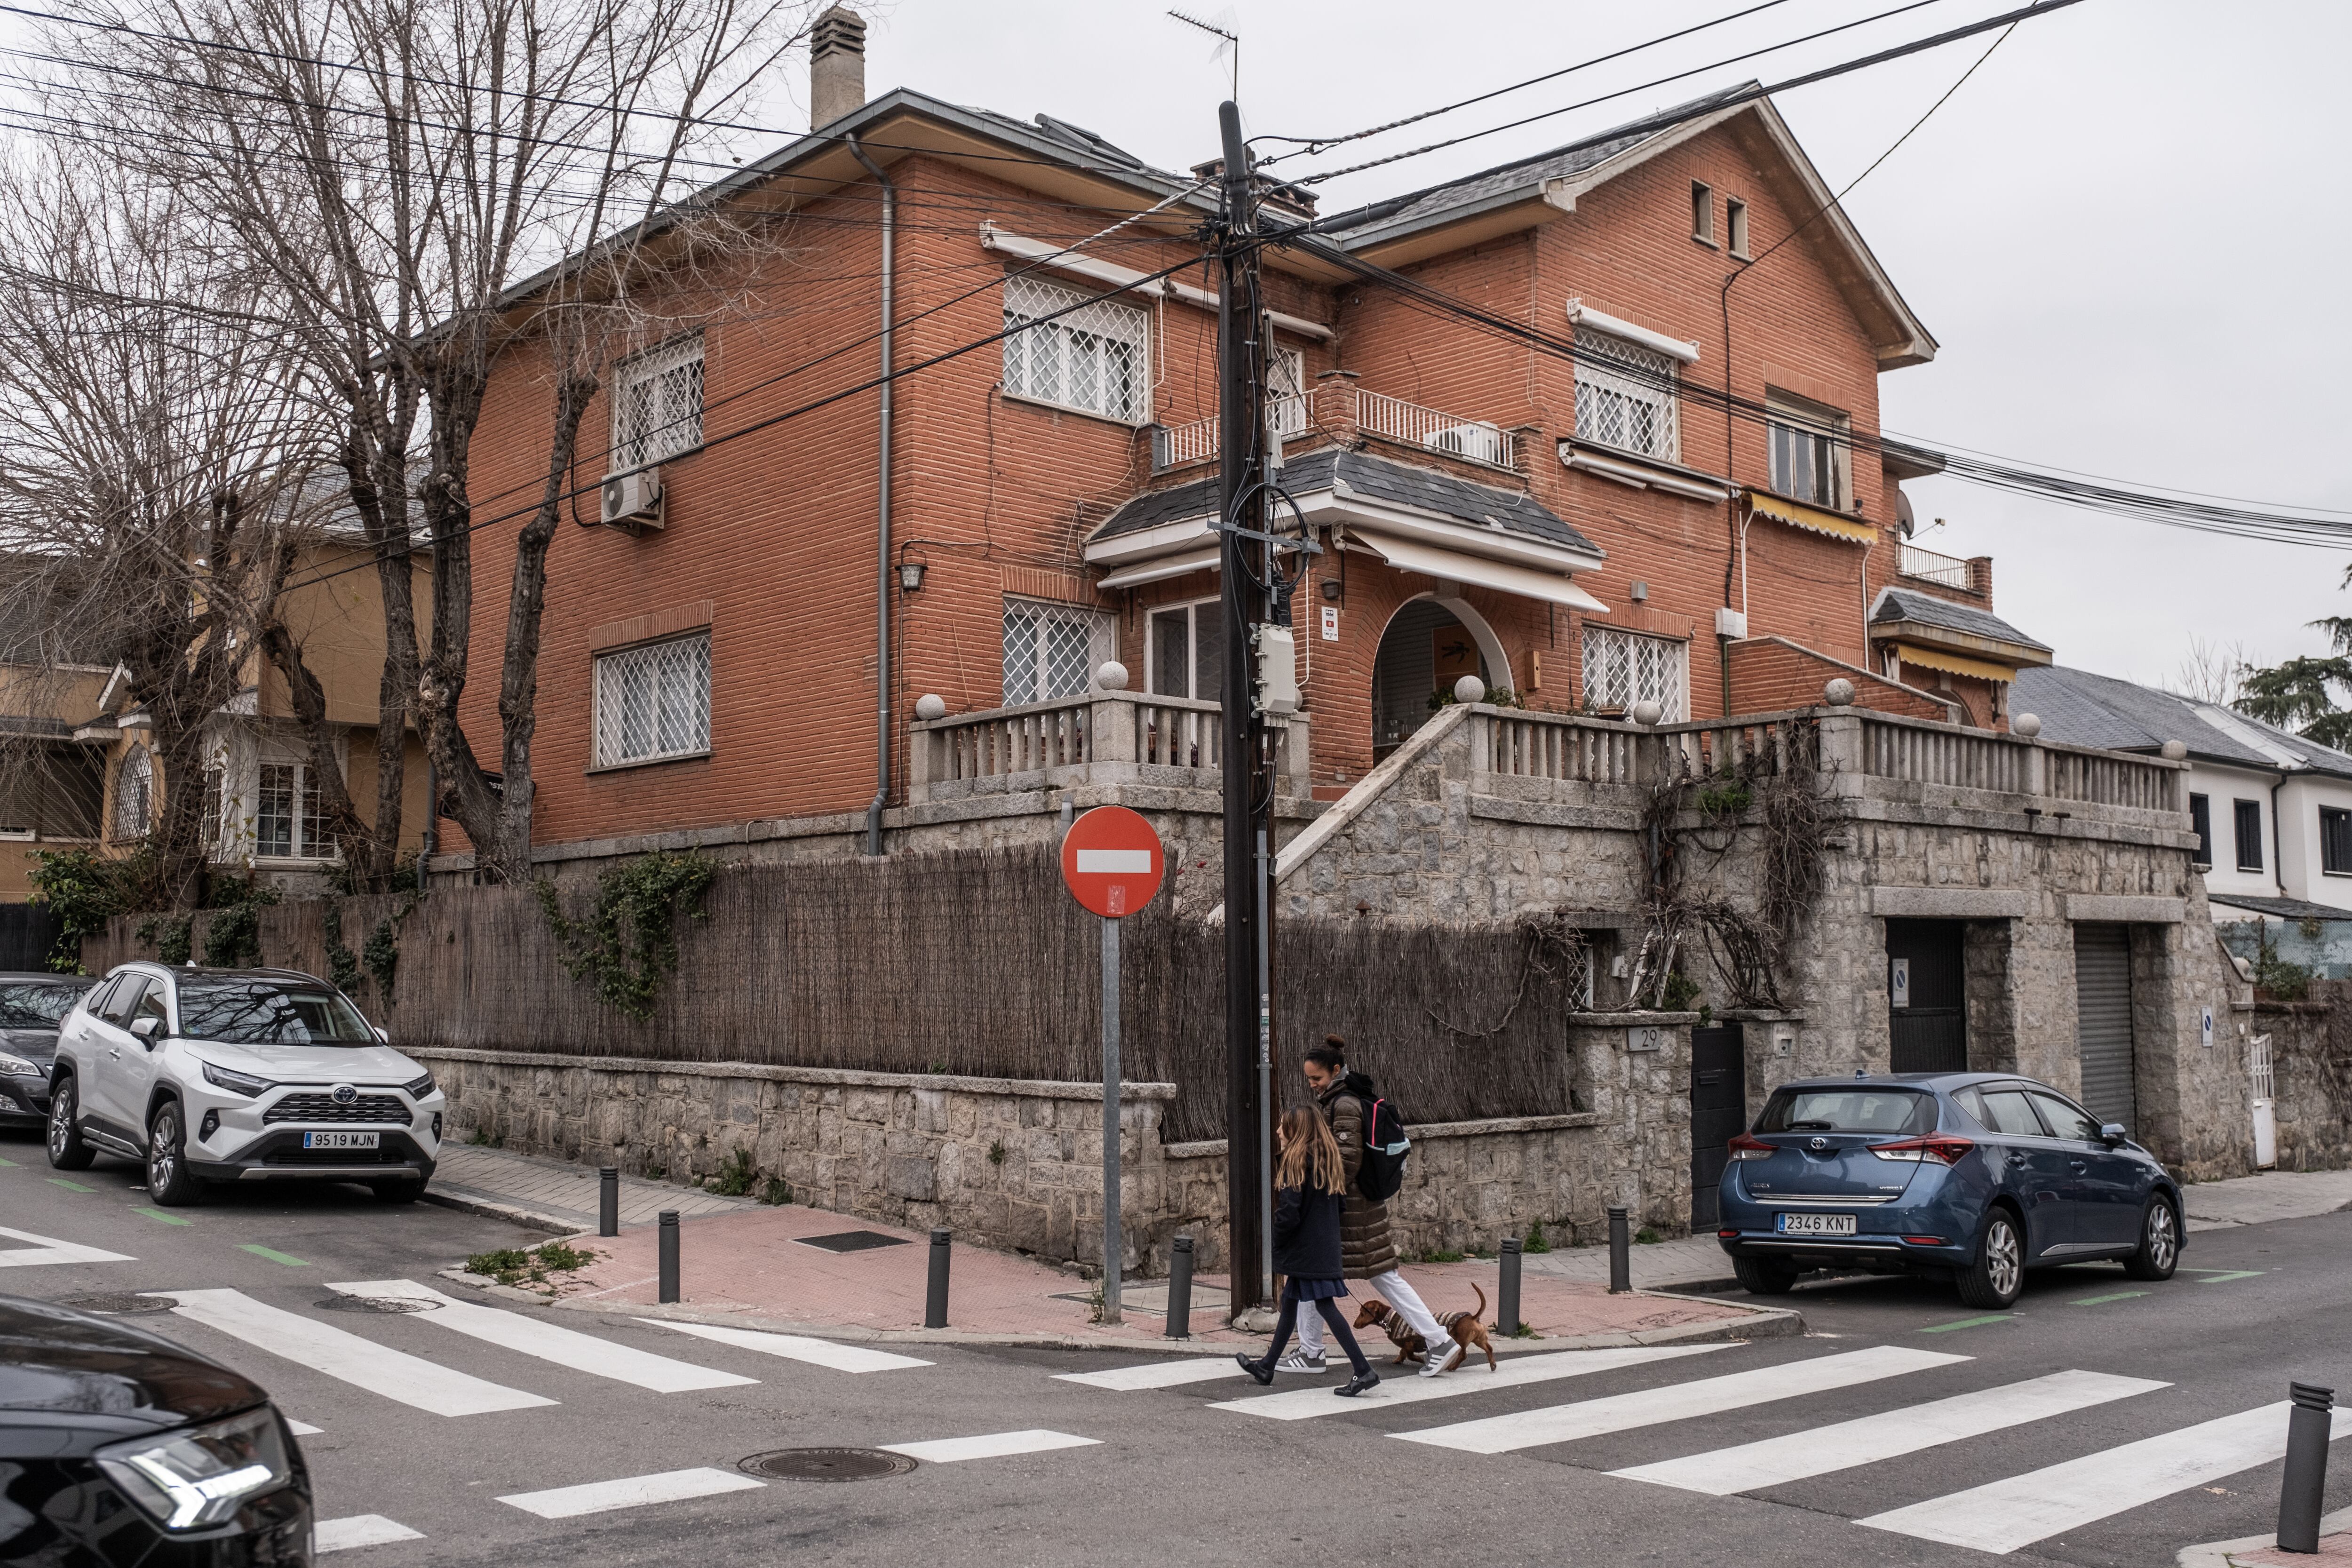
{"points": [[1286, 392], [1622, 668], [286, 821], [1051, 650], [657, 403], [654, 701], [135, 794], [1628, 402], [1096, 358]]}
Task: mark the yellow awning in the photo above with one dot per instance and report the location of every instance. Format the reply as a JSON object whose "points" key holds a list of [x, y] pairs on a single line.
{"points": [[1957, 664], [1812, 518]]}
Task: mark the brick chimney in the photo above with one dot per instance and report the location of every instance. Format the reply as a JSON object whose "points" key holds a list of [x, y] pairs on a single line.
{"points": [[836, 66]]}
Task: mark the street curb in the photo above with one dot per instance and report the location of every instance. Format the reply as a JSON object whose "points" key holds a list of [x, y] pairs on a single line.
{"points": [[491, 1208], [2222, 1553]]}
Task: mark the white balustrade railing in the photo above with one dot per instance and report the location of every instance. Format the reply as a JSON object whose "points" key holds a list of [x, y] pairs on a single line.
{"points": [[1341, 409], [1945, 570], [1101, 737], [1478, 440]]}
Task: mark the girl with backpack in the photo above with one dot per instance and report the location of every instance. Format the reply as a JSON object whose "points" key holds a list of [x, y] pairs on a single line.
{"points": [[1308, 1182]]}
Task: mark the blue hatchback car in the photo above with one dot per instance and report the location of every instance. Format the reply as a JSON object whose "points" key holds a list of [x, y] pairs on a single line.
{"points": [[1974, 1177]]}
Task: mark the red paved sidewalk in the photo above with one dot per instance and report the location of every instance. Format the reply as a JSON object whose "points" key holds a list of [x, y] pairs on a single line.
{"points": [[756, 1265]]}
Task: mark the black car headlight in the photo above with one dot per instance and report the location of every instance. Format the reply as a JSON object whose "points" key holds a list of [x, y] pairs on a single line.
{"points": [[237, 1082], [199, 1476], [420, 1088], [18, 1067]]}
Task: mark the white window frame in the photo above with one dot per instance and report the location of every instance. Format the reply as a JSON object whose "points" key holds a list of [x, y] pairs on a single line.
{"points": [[1822, 434], [307, 837], [1286, 392], [1191, 610], [679, 669], [1037, 685], [1607, 397], [1075, 361], [1652, 668], [657, 403]]}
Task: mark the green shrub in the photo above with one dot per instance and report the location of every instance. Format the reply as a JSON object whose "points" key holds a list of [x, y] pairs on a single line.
{"points": [[629, 941], [1535, 1241]]}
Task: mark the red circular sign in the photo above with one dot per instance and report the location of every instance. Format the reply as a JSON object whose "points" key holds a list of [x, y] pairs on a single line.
{"points": [[1112, 860]]}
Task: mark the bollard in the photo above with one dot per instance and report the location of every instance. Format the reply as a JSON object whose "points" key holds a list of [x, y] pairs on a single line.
{"points": [[1179, 1291], [935, 1298], [1621, 1262], [670, 1254], [1506, 1292], [2307, 1428], [608, 1201]]}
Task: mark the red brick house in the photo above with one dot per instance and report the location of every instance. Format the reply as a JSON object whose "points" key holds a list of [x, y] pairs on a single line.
{"points": [[1573, 532]]}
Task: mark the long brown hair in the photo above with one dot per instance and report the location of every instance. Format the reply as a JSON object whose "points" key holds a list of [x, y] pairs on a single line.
{"points": [[1308, 1148]]}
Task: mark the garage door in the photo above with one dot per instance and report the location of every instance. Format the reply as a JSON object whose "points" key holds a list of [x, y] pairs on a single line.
{"points": [[2103, 1020]]}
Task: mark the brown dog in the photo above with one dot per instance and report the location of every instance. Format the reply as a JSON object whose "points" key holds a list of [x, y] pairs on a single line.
{"points": [[1464, 1328]]}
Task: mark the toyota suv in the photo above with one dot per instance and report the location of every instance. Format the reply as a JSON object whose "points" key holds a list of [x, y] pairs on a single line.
{"points": [[239, 1075]]}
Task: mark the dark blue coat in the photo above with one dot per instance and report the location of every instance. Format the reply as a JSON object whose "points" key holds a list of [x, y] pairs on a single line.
{"points": [[1307, 1234]]}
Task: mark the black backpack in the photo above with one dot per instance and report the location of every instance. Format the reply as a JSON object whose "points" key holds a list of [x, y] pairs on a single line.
{"points": [[1386, 1145]]}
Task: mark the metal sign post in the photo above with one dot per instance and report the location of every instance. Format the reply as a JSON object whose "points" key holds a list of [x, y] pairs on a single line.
{"points": [[1112, 861]]}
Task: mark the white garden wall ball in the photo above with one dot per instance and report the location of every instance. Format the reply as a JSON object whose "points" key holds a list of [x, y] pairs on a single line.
{"points": [[930, 706], [1111, 675], [1469, 688], [2174, 751], [2026, 724], [1646, 713], [1839, 692]]}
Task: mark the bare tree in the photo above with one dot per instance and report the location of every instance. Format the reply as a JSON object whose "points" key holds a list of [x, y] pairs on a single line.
{"points": [[2211, 672], [150, 420], [426, 186]]}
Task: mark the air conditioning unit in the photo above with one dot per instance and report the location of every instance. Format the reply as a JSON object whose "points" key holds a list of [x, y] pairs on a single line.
{"points": [[633, 500], [1480, 443]]}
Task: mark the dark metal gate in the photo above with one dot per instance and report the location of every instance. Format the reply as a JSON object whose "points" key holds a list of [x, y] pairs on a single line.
{"points": [[27, 932], [1718, 1111], [2102, 1021], [1926, 994]]}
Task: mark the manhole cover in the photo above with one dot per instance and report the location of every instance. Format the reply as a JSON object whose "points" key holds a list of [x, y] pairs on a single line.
{"points": [[852, 1240], [120, 1304], [827, 1464], [376, 1304]]}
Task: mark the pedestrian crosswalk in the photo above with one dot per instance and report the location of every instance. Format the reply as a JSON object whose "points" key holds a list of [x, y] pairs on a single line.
{"points": [[549, 1342]]}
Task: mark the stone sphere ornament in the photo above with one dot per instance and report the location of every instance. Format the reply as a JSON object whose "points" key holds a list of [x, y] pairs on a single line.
{"points": [[1647, 713], [930, 706], [1469, 688], [2174, 751], [1839, 692], [1111, 675], [2026, 724]]}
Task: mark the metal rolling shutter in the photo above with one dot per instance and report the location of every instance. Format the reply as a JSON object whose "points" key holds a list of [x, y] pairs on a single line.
{"points": [[2103, 1020]]}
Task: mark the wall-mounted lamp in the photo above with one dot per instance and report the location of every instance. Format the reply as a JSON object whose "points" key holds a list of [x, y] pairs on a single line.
{"points": [[1331, 589], [911, 576]]}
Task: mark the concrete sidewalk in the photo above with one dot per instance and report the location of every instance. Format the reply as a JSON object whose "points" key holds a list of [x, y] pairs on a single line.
{"points": [[2267, 1196], [1683, 1262], [2261, 1551], [555, 1194]]}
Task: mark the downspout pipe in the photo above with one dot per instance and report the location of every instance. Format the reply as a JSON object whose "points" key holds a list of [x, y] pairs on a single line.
{"points": [[882, 585]]}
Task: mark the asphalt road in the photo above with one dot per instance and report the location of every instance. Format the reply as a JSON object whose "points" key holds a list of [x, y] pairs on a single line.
{"points": [[1515, 1472]]}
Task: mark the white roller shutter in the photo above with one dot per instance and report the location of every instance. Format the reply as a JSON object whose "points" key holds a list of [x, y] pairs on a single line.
{"points": [[2103, 1020]]}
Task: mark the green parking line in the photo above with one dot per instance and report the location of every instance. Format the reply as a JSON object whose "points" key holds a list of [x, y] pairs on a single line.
{"points": [[69, 1186], [2100, 1301], [162, 1218], [10, 1163], [1973, 1322], [272, 1254]]}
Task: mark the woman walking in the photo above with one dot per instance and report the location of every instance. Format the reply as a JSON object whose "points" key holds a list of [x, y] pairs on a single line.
{"points": [[1309, 1181]]}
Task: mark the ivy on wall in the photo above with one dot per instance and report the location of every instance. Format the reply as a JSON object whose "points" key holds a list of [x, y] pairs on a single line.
{"points": [[628, 941]]}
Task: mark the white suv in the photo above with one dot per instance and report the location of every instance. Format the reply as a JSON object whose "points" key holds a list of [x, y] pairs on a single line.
{"points": [[223, 1075]]}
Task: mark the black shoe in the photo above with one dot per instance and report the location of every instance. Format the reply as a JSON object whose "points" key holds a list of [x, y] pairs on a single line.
{"points": [[1258, 1370], [1357, 1383]]}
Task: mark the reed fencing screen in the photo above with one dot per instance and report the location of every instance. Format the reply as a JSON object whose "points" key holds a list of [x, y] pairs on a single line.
{"points": [[974, 962]]}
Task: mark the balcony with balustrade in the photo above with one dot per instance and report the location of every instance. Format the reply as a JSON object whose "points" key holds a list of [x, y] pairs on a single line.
{"points": [[1339, 411], [1922, 568], [1095, 739]]}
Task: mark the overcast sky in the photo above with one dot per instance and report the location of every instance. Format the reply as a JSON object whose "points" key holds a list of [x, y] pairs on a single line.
{"points": [[2128, 231]]}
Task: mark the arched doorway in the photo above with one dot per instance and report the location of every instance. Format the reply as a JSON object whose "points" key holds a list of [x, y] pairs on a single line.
{"points": [[1429, 644]]}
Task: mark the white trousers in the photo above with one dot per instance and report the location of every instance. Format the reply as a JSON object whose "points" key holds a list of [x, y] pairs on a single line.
{"points": [[1392, 1288]]}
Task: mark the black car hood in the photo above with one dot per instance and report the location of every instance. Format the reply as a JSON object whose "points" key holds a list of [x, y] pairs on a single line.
{"points": [[60, 1368], [41, 1044]]}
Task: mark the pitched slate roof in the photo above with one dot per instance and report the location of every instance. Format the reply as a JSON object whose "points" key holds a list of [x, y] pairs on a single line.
{"points": [[1903, 605], [2085, 710], [2283, 909], [1376, 480]]}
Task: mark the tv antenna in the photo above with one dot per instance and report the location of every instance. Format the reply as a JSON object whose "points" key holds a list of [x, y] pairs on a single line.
{"points": [[1229, 42]]}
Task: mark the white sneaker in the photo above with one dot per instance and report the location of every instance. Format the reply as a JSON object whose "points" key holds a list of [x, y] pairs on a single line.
{"points": [[1432, 1362], [1444, 1361], [1299, 1361]]}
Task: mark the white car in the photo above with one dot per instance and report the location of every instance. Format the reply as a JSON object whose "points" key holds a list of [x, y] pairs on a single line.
{"points": [[239, 1075]]}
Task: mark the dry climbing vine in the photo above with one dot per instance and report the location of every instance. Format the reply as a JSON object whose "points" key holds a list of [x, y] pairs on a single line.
{"points": [[1550, 944]]}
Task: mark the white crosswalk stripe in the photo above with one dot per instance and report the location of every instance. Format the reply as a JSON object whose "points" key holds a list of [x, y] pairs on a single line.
{"points": [[830, 1353], [1775, 1461], [360, 1529], [1677, 1400], [631, 1491], [1307, 1403], [49, 1249], [379, 1369], [1174, 1372], [2004, 1515], [989, 1445], [302, 1428], [550, 1342]]}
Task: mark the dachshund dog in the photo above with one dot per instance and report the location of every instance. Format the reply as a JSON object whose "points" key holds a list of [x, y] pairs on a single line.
{"points": [[1464, 1328]]}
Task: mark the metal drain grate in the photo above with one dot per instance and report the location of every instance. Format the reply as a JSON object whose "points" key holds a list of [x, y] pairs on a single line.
{"points": [[120, 1304], [826, 1465], [375, 1304], [854, 1240]]}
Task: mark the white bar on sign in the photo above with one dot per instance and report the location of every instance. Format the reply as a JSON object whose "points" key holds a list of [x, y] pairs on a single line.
{"points": [[360, 1529], [992, 1446], [631, 1491], [1114, 862]]}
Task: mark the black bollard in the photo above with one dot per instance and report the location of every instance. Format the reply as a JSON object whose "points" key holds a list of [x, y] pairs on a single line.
{"points": [[2308, 1426], [1180, 1289], [670, 1254], [935, 1299], [1621, 1261], [608, 1201], [1507, 1293]]}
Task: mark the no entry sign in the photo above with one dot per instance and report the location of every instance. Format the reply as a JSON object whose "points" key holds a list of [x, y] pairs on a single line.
{"points": [[1112, 860]]}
